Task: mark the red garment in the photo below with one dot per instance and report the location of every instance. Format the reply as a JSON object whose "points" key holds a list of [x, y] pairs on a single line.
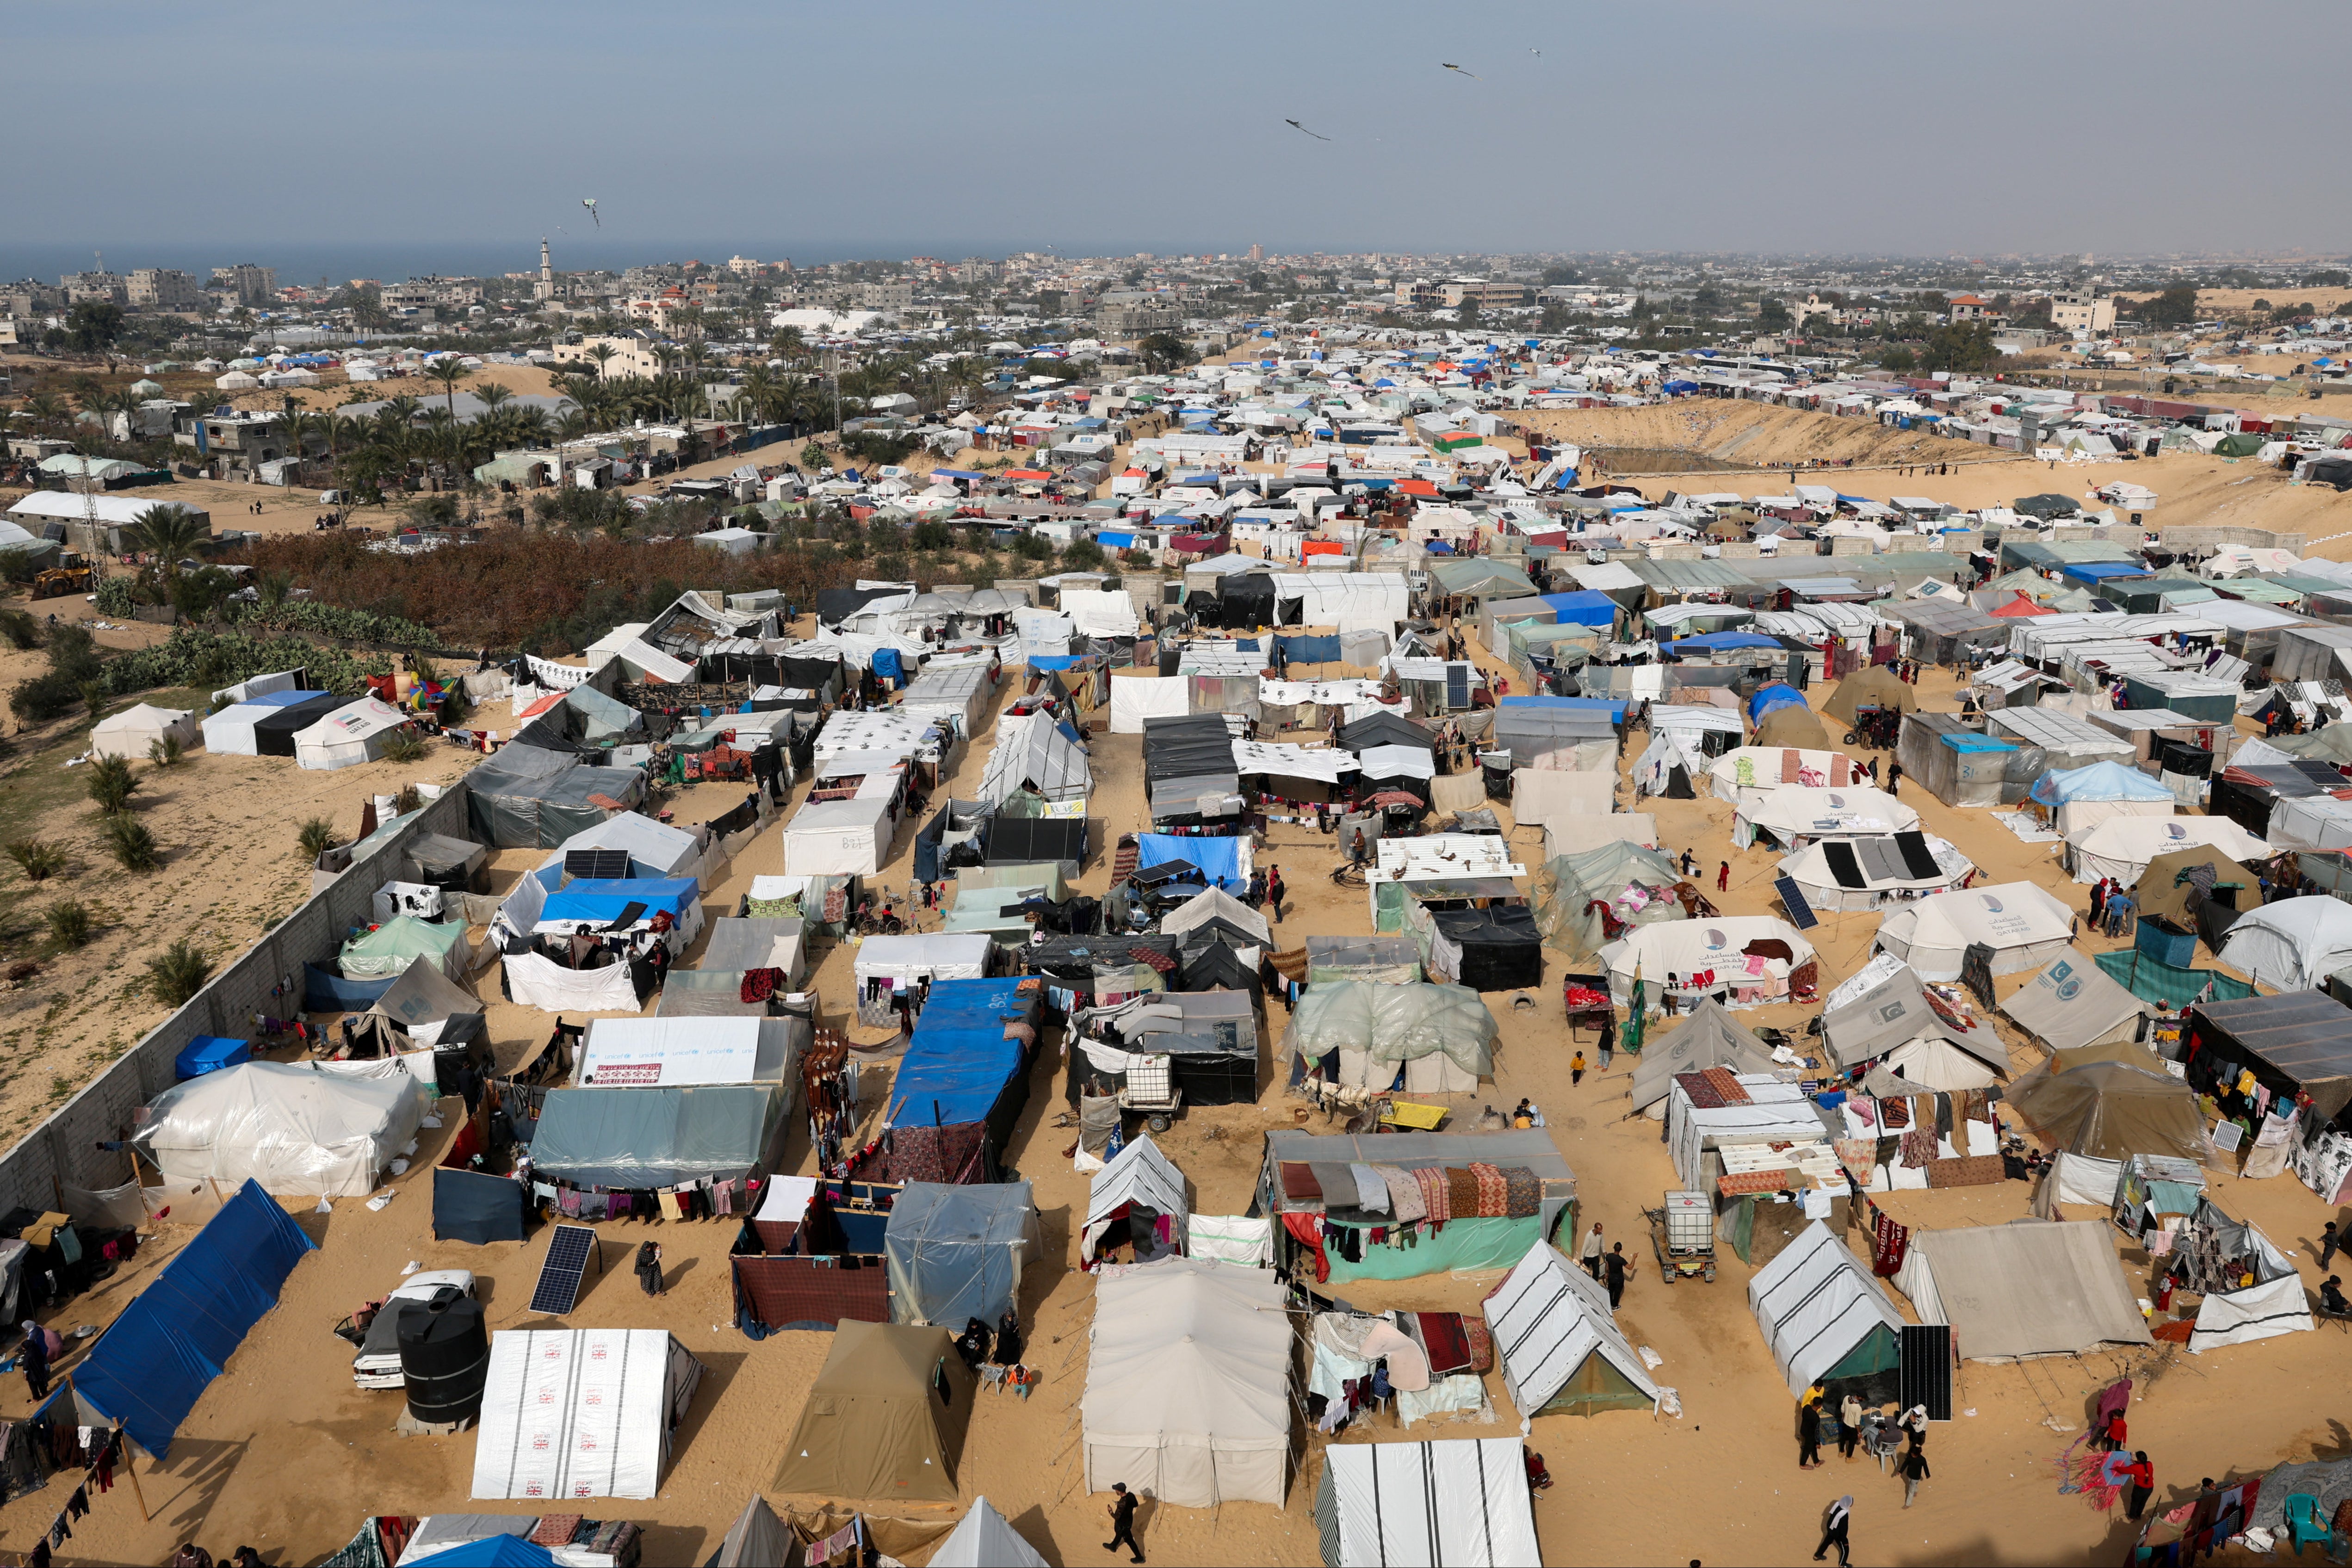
{"points": [[1308, 1229]]}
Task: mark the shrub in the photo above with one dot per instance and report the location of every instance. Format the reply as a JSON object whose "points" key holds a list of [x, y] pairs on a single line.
{"points": [[315, 838], [44, 697], [404, 745], [17, 625], [38, 859], [111, 783], [410, 799], [179, 972], [117, 597], [132, 846], [164, 750], [70, 922]]}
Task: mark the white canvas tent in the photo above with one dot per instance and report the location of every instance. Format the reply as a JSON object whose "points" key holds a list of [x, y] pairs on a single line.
{"points": [[1895, 1024], [130, 733], [1792, 813], [1776, 1112], [1187, 1391], [350, 736], [1685, 947], [2024, 926], [934, 955], [2074, 1003], [1032, 753], [1463, 1502], [985, 1539], [1816, 1305], [2217, 1245], [1215, 904], [2294, 943], [1139, 1174], [1866, 873], [667, 1052], [1556, 797], [294, 1130], [1549, 1318], [2030, 1288], [581, 1412], [839, 838], [2121, 847], [655, 849], [1135, 697]]}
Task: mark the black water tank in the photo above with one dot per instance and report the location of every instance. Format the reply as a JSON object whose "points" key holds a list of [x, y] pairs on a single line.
{"points": [[445, 1357]]}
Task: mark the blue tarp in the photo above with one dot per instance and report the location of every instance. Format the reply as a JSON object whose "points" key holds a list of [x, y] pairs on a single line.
{"points": [[1721, 643], [473, 1205], [490, 1552], [1115, 541], [278, 699], [2099, 781], [324, 991], [1586, 608], [887, 665], [1310, 649], [1056, 661], [1220, 858], [2094, 570], [959, 1063], [1772, 699], [150, 1367], [210, 1054], [1971, 744], [1611, 705], [601, 902]]}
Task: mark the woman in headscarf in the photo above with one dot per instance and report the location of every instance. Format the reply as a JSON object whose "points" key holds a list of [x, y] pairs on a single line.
{"points": [[1833, 1529], [36, 1356], [1008, 1339], [973, 1343]]}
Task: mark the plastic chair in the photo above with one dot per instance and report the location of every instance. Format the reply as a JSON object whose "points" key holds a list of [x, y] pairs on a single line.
{"points": [[2304, 1524]]}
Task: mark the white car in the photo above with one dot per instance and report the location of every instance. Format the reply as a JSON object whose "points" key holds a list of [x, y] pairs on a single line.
{"points": [[377, 1365]]}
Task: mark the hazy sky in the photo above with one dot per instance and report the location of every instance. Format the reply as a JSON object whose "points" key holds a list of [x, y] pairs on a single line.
{"points": [[880, 128]]}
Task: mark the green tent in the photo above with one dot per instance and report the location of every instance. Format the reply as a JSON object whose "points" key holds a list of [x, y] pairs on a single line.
{"points": [[385, 952], [2238, 446], [1568, 885]]}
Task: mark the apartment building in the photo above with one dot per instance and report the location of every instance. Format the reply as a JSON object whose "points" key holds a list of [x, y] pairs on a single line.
{"points": [[163, 289]]}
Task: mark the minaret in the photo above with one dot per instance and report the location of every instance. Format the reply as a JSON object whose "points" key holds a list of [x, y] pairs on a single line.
{"points": [[546, 274]]}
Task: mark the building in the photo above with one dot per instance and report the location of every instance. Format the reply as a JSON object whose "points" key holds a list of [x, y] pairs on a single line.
{"points": [[1968, 308], [1133, 318], [237, 443], [743, 265], [425, 293], [1484, 292], [545, 290], [891, 294], [248, 284], [631, 356], [163, 289], [1257, 254], [974, 269], [100, 287], [2083, 310]]}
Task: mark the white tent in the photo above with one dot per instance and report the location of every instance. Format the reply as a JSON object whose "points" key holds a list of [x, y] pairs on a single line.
{"points": [[293, 1130], [2272, 1305], [581, 1412], [1135, 697], [1101, 612], [934, 955], [536, 980], [348, 737], [667, 1052], [2024, 926], [1863, 875], [1561, 798], [2121, 847], [1792, 813], [1766, 767], [1215, 904], [245, 691], [984, 1539], [838, 838], [1462, 1502], [1139, 1174], [1776, 1112], [1548, 1317], [1816, 1305], [1685, 948], [2294, 943], [1033, 752], [655, 849], [1188, 1392], [131, 732], [1895, 1022], [2072, 1003], [229, 732], [2030, 1288]]}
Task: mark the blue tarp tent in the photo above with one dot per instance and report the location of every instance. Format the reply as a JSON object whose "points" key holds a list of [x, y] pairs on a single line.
{"points": [[1770, 699], [1609, 706], [2099, 781], [601, 902], [490, 1552], [324, 991], [278, 699], [959, 1063], [210, 1054], [1720, 642], [1588, 607], [150, 1367], [1220, 858]]}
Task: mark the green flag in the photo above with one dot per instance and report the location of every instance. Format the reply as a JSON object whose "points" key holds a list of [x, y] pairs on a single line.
{"points": [[1637, 1015]]}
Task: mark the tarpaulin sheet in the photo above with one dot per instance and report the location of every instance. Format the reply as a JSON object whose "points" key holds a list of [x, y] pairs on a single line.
{"points": [[149, 1368], [324, 991], [638, 1139], [952, 1075], [601, 902], [469, 1205], [1586, 608], [1224, 862]]}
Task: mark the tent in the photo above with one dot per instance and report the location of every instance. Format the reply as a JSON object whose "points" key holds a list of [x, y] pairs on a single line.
{"points": [[1896, 1024], [1036, 752], [581, 1412], [601, 904], [885, 1418], [1747, 767], [291, 1128], [2121, 847], [1793, 814], [758, 1539], [1825, 1319], [1792, 725], [1631, 886], [641, 1139], [1443, 1036], [266, 726], [840, 837], [2250, 1289], [2071, 1003], [2030, 1288], [528, 797], [1561, 1349], [1462, 1501], [536, 980], [1216, 904], [983, 1538], [1138, 1177], [1707, 1036], [1770, 699], [957, 1253], [500, 1550], [655, 850], [906, 960], [1497, 948], [387, 952], [1876, 687], [2166, 888], [2094, 1114], [1224, 862], [2294, 943], [687, 1051], [1188, 1394], [154, 1361], [1746, 960], [1838, 876], [130, 733], [2022, 926], [2297, 1042], [349, 735]]}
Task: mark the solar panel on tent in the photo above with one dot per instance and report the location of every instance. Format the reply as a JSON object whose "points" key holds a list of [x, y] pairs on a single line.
{"points": [[597, 865], [568, 1251], [1457, 686], [1792, 898], [1926, 1374]]}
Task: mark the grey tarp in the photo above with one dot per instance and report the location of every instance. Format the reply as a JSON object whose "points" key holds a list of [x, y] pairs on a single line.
{"points": [[1394, 1023], [1531, 731], [706, 993], [1892, 1014], [1710, 1037], [754, 943], [424, 995], [2072, 1003], [642, 1138], [528, 797], [2109, 1111], [1392, 959], [2031, 1287], [438, 859], [1033, 752], [957, 1253], [758, 1539]]}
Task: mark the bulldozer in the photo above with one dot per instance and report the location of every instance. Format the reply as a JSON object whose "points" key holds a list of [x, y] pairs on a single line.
{"points": [[73, 577]]}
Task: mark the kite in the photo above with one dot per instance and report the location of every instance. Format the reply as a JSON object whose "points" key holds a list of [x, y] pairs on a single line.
{"points": [[589, 203], [1296, 126], [1458, 70]]}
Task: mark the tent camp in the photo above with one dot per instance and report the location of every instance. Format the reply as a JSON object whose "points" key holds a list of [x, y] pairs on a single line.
{"points": [[2215, 1255], [1630, 885], [266, 726], [2080, 798], [1895, 1023], [1443, 1036], [1462, 1502], [2071, 1003], [1875, 686], [1826, 1321], [1745, 960], [1793, 815], [983, 1538], [387, 951], [2294, 943], [2023, 926], [1188, 1395], [1560, 1348], [885, 1418], [1707, 1036], [2093, 1112], [1036, 752], [954, 1253], [349, 736], [581, 1412], [129, 734], [291, 1128], [1845, 875], [2121, 847], [2030, 1288]]}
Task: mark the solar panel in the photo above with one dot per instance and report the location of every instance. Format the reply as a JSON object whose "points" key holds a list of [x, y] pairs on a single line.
{"points": [[597, 865], [1925, 1369], [568, 1251], [1792, 898]]}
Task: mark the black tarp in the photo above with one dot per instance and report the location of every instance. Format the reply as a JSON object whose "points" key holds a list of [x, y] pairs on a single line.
{"points": [[1208, 1073], [1501, 948], [2294, 1042], [1193, 746], [836, 605], [469, 1205], [1217, 968], [1029, 840], [1245, 600], [1384, 730], [273, 735]]}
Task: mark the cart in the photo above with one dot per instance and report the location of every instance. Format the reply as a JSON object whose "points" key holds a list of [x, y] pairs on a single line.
{"points": [[1875, 727], [1150, 1092], [1683, 1233], [1405, 1113]]}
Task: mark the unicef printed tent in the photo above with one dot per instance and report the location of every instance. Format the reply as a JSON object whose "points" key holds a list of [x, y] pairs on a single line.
{"points": [[2022, 926], [581, 1412], [1464, 1500], [1824, 1318]]}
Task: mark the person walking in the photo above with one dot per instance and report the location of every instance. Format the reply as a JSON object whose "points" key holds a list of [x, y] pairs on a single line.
{"points": [[1576, 1069], [1894, 778], [649, 1268], [1849, 1426], [1833, 1529], [1589, 1254], [1723, 877], [1275, 890], [1122, 1522], [2139, 1477], [1913, 1468], [1808, 1435], [36, 1358], [1616, 1263]]}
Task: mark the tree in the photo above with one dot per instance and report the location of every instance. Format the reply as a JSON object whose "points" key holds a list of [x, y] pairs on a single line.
{"points": [[1899, 359], [170, 532], [1162, 352], [2176, 307], [448, 371], [1773, 315], [493, 397], [94, 324], [1962, 346]]}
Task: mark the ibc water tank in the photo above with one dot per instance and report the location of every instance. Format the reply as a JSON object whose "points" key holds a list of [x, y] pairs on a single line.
{"points": [[444, 1356]]}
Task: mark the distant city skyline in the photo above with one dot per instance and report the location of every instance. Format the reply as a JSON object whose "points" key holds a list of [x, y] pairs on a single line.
{"points": [[1806, 126]]}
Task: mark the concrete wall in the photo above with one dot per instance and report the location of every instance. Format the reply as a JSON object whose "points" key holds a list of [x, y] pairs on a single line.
{"points": [[64, 1148], [2211, 537]]}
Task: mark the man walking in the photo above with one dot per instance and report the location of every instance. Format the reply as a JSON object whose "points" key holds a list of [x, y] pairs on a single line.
{"points": [[1808, 1436], [1849, 1426], [2329, 1244], [36, 1359], [1274, 891], [1590, 1255], [1616, 1264], [1122, 1522], [1913, 1468]]}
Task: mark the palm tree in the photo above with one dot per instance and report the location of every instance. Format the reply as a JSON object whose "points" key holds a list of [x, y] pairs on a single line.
{"points": [[448, 371], [169, 531], [603, 353], [46, 408], [493, 397]]}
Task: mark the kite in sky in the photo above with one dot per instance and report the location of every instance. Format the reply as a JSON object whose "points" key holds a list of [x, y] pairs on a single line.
{"points": [[1458, 70], [589, 203], [1296, 126]]}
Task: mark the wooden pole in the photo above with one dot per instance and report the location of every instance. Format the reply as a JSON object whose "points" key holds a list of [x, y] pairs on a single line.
{"points": [[132, 1476]]}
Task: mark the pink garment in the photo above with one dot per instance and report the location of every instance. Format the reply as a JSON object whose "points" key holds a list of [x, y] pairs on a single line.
{"points": [[1408, 1366]]}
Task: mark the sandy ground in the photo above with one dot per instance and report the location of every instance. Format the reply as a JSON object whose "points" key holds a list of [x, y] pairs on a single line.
{"points": [[259, 1459], [1749, 435]]}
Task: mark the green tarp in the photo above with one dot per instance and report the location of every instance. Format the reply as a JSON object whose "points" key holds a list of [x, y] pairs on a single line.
{"points": [[386, 952], [2162, 984], [1463, 1244]]}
